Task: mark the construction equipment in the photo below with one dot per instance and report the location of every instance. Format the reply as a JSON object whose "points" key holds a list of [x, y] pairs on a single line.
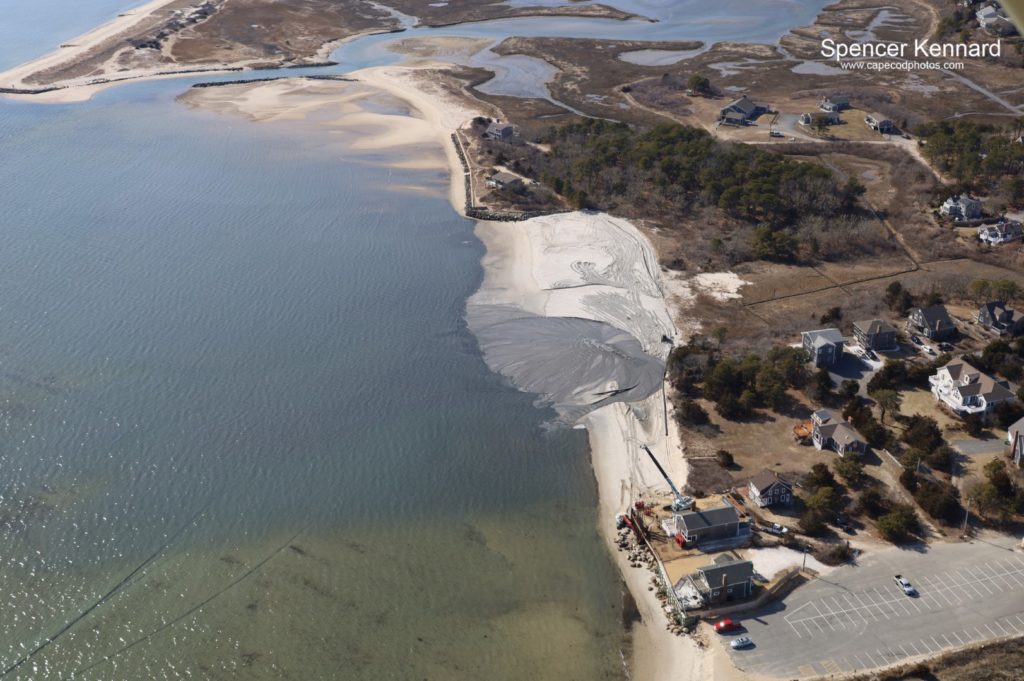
{"points": [[680, 502]]}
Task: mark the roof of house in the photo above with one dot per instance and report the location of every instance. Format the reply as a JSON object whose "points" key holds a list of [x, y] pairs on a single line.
{"points": [[822, 416], [735, 571], [500, 127], [824, 337], [873, 326], [836, 99], [765, 480], [713, 517], [744, 104], [999, 311], [842, 433], [934, 316], [1017, 427], [502, 177], [970, 381]]}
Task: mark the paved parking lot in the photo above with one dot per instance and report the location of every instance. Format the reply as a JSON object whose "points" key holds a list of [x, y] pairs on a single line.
{"points": [[857, 618]]}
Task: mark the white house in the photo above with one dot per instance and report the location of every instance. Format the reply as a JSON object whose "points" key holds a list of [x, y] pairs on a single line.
{"points": [[1001, 233], [966, 390]]}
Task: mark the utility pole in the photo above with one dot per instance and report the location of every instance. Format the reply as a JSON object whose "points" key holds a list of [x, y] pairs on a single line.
{"points": [[804, 566], [967, 515]]}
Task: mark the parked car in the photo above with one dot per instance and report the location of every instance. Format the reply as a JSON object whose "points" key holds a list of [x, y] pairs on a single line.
{"points": [[929, 349], [905, 584], [775, 133], [946, 347], [843, 524], [741, 642], [915, 340], [725, 625]]}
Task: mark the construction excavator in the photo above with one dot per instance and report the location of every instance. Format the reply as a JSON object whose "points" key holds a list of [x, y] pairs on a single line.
{"points": [[679, 501]]}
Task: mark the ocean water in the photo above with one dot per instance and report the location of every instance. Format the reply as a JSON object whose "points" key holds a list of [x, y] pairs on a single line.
{"points": [[246, 432]]}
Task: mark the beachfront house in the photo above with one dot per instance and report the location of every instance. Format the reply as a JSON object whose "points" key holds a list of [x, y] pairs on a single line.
{"points": [[500, 131], [740, 112], [834, 104], [933, 322], [501, 179], [702, 527], [961, 207], [967, 391], [999, 317], [1015, 438], [768, 489], [824, 346], [829, 432], [876, 334], [727, 578]]}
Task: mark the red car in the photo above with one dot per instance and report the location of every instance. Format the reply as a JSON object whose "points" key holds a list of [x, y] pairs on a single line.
{"points": [[726, 625]]}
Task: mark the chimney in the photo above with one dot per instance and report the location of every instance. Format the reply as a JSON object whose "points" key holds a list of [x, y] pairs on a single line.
{"points": [[723, 595]]}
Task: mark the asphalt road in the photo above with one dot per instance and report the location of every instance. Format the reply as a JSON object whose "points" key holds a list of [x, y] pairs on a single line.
{"points": [[857, 618]]}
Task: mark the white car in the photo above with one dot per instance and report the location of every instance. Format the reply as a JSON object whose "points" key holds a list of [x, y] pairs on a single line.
{"points": [[741, 642], [905, 584]]}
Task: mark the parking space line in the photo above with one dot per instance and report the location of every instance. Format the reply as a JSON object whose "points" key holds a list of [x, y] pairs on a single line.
{"points": [[1011, 572], [987, 626], [1001, 628], [981, 581], [926, 646], [937, 646], [997, 573], [949, 644], [958, 639]]}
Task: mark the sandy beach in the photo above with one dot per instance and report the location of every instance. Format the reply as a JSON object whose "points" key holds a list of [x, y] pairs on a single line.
{"points": [[564, 286]]}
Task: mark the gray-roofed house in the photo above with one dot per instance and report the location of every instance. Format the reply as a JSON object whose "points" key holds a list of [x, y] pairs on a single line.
{"points": [[500, 131], [880, 123], [961, 207], [876, 334], [933, 322], [740, 111], [997, 316], [824, 346], [709, 525], [726, 579], [1015, 438], [768, 489], [834, 103], [965, 390], [501, 179], [832, 433]]}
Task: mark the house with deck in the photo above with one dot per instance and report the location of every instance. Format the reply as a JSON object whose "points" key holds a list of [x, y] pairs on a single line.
{"points": [[727, 578], [968, 391], [830, 432], [881, 124], [714, 525], [834, 103], [740, 112], [876, 334], [824, 346]]}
